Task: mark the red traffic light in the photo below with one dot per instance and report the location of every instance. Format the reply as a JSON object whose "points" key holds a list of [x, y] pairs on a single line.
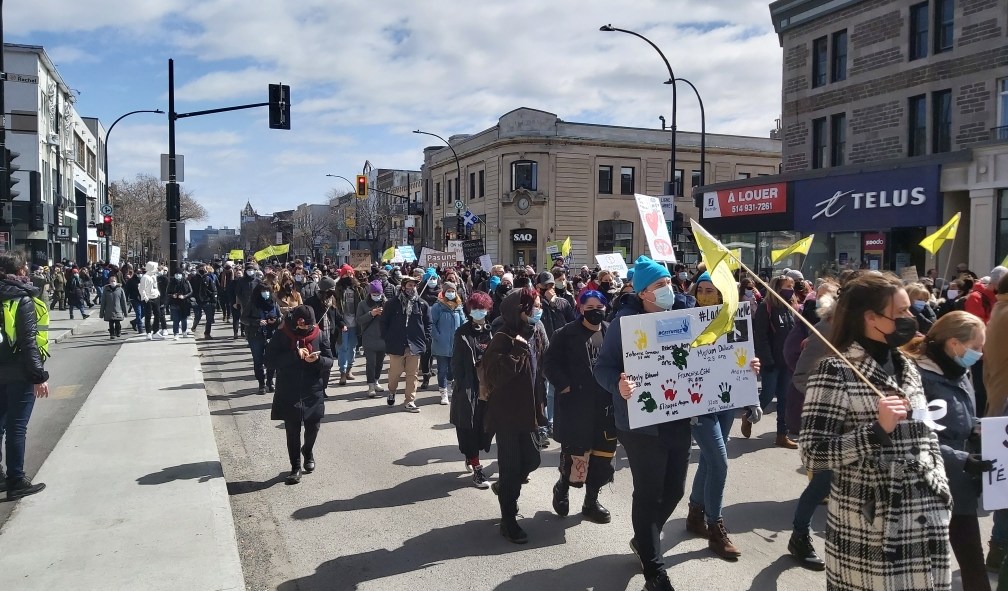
{"points": [[107, 220], [362, 185]]}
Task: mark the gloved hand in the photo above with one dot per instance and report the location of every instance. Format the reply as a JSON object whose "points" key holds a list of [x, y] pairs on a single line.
{"points": [[754, 413], [976, 465]]}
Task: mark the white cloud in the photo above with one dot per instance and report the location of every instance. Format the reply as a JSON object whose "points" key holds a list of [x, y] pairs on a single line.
{"points": [[69, 54]]}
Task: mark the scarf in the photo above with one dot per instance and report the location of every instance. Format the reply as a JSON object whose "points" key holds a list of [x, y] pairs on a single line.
{"points": [[305, 339]]}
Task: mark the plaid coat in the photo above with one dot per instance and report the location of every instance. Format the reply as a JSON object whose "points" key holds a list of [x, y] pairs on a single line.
{"points": [[889, 506]]}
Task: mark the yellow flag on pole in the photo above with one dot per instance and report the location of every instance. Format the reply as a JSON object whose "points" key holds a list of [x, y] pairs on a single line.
{"points": [[933, 242], [1004, 263], [800, 247], [716, 256], [565, 247], [389, 254], [281, 249], [264, 253], [734, 261], [236, 255]]}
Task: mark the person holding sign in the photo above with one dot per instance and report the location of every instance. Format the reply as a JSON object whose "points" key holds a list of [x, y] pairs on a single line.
{"points": [[944, 358], [890, 504]]}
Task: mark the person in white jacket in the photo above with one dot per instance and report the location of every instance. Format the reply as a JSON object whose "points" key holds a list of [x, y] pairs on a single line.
{"points": [[151, 297]]}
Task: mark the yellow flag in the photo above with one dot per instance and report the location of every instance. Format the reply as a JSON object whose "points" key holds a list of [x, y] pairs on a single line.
{"points": [[801, 247], [565, 247], [933, 242], [389, 254], [717, 258], [236, 255], [1004, 263], [281, 249], [735, 261], [264, 253]]}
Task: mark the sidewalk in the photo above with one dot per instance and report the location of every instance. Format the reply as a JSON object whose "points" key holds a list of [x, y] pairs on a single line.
{"points": [[61, 327], [135, 495]]}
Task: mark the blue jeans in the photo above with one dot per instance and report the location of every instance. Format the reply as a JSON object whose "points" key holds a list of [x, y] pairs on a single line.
{"points": [[444, 372], [775, 383], [138, 309], [999, 533], [257, 345], [711, 434], [177, 318], [346, 349], [17, 400], [817, 490]]}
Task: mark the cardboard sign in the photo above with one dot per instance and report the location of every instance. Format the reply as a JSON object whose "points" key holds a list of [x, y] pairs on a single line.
{"points": [[455, 247], [909, 274], [655, 230], [675, 381], [613, 262], [994, 446], [114, 254], [435, 258], [471, 250], [486, 263], [360, 259]]}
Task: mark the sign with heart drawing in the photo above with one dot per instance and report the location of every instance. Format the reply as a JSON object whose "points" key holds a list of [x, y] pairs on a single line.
{"points": [[655, 229]]}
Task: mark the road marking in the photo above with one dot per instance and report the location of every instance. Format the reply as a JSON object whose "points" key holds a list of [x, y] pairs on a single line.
{"points": [[64, 392]]}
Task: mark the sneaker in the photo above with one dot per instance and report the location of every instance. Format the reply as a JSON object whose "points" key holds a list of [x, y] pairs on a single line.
{"points": [[720, 543], [262, 389], [371, 391], [159, 335], [444, 397], [188, 333], [175, 337], [150, 336], [391, 398], [425, 383], [512, 532], [659, 582], [468, 466], [410, 407], [479, 479], [22, 487], [269, 387], [633, 547], [995, 557], [162, 333], [378, 387], [800, 546]]}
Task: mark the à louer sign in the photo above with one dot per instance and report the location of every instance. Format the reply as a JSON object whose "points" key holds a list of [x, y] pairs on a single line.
{"points": [[758, 200], [900, 198]]}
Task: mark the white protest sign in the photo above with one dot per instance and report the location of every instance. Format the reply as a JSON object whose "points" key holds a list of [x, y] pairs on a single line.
{"points": [[675, 381], [655, 230], [613, 262], [455, 247], [114, 254], [406, 253], [485, 263], [994, 446]]}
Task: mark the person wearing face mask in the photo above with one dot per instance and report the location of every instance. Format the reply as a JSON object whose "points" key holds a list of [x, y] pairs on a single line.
{"points": [[500, 291], [406, 326], [113, 307], [461, 289], [584, 424], [150, 295], [680, 278], [557, 313], [920, 305], [310, 287], [467, 408], [179, 291], [261, 316], [323, 304], [348, 295], [749, 293], [447, 315], [516, 396], [429, 289], [368, 312], [944, 359], [300, 354], [658, 454], [243, 289], [889, 506], [772, 321]]}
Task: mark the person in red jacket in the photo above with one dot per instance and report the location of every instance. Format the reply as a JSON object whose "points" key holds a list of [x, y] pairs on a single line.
{"points": [[980, 302]]}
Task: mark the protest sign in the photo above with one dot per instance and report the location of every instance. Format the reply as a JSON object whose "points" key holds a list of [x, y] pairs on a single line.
{"points": [[114, 254], [471, 250], [655, 230], [436, 259], [406, 253], [676, 381], [360, 259], [613, 262], [994, 446], [455, 247], [909, 274], [486, 263]]}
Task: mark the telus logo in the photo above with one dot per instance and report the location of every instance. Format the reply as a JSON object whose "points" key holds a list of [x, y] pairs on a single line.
{"points": [[870, 200]]}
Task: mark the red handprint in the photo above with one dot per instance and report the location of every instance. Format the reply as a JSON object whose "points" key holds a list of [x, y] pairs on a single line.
{"points": [[670, 392], [697, 395]]}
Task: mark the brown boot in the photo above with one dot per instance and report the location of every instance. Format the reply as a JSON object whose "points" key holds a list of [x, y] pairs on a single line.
{"points": [[746, 428], [720, 543], [342, 378], [695, 522], [784, 441], [350, 376]]}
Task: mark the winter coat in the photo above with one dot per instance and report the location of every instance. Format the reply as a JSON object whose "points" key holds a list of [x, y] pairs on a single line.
{"points": [[300, 385], [771, 326], [517, 401], [162, 285], [206, 290], [370, 326], [568, 364], [995, 367], [27, 363], [179, 291], [926, 317], [113, 304], [148, 284], [959, 423], [980, 302], [406, 329], [243, 289], [467, 410], [890, 505], [75, 291], [556, 315], [132, 288], [446, 318], [325, 316], [254, 313], [288, 301], [58, 281]]}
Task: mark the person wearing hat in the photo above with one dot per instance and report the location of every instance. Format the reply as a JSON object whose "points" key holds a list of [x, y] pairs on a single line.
{"points": [[430, 289], [406, 326], [368, 311], [771, 322], [658, 454], [300, 354], [447, 315], [349, 294], [499, 292]]}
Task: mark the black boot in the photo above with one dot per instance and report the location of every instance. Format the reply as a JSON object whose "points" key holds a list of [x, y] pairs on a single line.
{"points": [[561, 501], [512, 532], [309, 461], [294, 477], [425, 383], [592, 509], [800, 546]]}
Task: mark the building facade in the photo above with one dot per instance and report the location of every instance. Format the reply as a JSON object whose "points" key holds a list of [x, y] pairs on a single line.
{"points": [[534, 178]]}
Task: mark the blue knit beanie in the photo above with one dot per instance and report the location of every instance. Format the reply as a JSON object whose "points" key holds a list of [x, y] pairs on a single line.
{"points": [[705, 276], [646, 272]]}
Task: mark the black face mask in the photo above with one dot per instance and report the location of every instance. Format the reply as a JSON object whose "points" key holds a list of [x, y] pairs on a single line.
{"points": [[905, 331], [605, 285], [594, 316]]}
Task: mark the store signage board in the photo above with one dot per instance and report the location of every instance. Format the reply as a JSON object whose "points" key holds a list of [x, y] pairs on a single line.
{"points": [[745, 201]]}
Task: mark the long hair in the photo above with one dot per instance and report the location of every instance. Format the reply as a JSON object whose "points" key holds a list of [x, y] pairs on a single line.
{"points": [[868, 292], [959, 325]]}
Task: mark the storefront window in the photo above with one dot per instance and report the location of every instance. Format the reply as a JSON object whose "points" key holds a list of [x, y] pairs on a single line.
{"points": [[616, 236]]}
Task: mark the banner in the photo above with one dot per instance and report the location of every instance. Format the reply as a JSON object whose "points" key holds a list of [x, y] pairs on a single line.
{"points": [[655, 229], [676, 381], [994, 446], [613, 262], [360, 260], [471, 250], [237, 255], [433, 258], [389, 254], [271, 251]]}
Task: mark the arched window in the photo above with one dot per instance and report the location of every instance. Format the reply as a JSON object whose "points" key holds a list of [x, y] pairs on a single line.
{"points": [[616, 236], [525, 175]]}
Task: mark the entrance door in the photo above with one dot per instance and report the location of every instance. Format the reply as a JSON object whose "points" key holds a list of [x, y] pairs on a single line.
{"points": [[519, 256]]}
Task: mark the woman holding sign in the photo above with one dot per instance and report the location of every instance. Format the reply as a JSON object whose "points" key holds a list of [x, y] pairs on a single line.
{"points": [[889, 509], [944, 357]]}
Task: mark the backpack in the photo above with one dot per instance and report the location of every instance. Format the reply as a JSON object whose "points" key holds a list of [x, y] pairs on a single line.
{"points": [[8, 333]]}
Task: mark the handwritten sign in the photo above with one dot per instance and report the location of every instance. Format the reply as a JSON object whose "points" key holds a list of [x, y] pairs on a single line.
{"points": [[994, 446], [457, 248], [676, 381], [360, 259], [406, 253], [655, 230], [613, 262], [485, 262], [472, 249]]}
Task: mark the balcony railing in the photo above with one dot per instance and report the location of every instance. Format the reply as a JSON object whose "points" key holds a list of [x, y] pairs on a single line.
{"points": [[999, 133]]}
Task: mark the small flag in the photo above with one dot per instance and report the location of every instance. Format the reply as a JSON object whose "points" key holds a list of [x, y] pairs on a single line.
{"points": [[470, 219], [389, 254], [565, 247], [236, 255], [800, 247], [717, 258], [1004, 263], [933, 242]]}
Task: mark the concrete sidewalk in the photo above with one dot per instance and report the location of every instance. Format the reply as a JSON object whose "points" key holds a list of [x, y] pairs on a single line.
{"points": [[61, 327], [135, 495]]}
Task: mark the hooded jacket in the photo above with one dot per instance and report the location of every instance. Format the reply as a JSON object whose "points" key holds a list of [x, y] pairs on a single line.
{"points": [[446, 318], [26, 365], [148, 284], [113, 303], [406, 325]]}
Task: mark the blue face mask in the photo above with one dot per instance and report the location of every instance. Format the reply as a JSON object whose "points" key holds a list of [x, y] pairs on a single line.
{"points": [[265, 295], [919, 305], [478, 314], [536, 315], [664, 297], [969, 358]]}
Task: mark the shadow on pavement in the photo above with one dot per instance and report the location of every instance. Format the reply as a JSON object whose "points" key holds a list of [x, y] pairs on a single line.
{"points": [[250, 486], [241, 410], [604, 572], [201, 471], [442, 454], [767, 577], [193, 386], [418, 490]]}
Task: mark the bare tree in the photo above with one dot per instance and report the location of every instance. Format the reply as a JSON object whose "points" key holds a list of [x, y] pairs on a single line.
{"points": [[311, 227], [257, 235], [140, 210]]}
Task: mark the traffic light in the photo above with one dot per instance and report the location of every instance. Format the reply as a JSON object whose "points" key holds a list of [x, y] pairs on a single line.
{"points": [[100, 229], [409, 235], [361, 186], [279, 106], [447, 236], [10, 167], [107, 224]]}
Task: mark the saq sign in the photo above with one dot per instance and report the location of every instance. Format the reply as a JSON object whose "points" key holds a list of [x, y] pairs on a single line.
{"points": [[899, 198]]}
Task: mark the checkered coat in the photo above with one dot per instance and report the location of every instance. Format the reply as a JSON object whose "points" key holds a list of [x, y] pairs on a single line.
{"points": [[889, 506]]}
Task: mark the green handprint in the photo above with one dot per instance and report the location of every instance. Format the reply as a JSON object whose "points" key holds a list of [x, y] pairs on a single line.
{"points": [[725, 394], [680, 356], [649, 404]]}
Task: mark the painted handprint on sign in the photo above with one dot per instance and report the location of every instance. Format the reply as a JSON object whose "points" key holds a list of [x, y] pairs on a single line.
{"points": [[695, 394], [680, 356], [725, 395], [670, 392], [649, 405], [641, 341], [741, 358]]}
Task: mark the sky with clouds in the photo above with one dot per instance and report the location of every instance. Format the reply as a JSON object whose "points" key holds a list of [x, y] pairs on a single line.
{"points": [[364, 74]]}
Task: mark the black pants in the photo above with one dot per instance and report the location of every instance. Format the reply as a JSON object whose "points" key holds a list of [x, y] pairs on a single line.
{"points": [[154, 318], [979, 389], [964, 537], [115, 327], [517, 457], [294, 448], [425, 361], [375, 360], [658, 466], [236, 321]]}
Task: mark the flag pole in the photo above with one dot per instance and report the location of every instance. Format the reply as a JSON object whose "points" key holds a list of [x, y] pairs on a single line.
{"points": [[949, 261]]}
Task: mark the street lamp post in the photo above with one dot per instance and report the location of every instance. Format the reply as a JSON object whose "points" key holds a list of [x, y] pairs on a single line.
{"points": [[670, 185], [458, 181], [108, 181], [356, 206], [703, 134]]}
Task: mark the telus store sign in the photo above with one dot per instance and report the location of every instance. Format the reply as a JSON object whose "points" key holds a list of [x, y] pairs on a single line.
{"points": [[902, 198]]}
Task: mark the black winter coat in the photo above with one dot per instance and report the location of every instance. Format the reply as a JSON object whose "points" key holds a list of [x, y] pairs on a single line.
{"points": [[567, 364], [300, 385], [771, 326], [179, 293], [405, 329], [466, 408], [556, 315]]}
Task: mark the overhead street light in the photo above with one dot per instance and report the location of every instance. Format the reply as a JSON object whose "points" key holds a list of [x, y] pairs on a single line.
{"points": [[108, 179], [458, 182]]}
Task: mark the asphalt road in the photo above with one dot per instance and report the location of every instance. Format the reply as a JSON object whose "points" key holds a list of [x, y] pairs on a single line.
{"points": [[389, 506]]}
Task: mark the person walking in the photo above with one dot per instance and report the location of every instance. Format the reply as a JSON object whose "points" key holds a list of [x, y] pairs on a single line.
{"points": [[243, 288], [261, 318], [150, 296], [225, 291], [323, 304], [348, 296], [300, 355], [113, 308], [179, 291], [771, 323], [995, 376], [368, 313], [429, 289], [131, 284], [23, 377], [405, 325], [889, 509], [206, 297], [467, 407], [516, 399], [59, 281], [75, 294], [447, 315]]}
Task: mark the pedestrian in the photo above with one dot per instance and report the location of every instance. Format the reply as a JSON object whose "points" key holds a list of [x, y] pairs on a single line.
{"points": [[659, 454], [287, 297], [243, 288], [429, 289], [179, 291], [225, 290], [206, 297], [405, 325], [583, 424], [516, 399], [150, 297], [323, 304], [447, 316], [995, 374], [889, 509], [368, 312], [467, 406], [348, 295], [299, 353], [75, 293], [113, 307], [772, 321], [920, 298], [59, 281], [261, 317], [131, 285], [23, 377]]}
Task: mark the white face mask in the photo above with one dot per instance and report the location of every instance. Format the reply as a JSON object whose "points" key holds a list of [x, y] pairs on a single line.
{"points": [[250, 272], [952, 294], [432, 283]]}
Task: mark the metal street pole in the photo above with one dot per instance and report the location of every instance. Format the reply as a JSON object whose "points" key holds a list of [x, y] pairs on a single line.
{"points": [[108, 181], [703, 134], [458, 182], [172, 189], [353, 189], [670, 185]]}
